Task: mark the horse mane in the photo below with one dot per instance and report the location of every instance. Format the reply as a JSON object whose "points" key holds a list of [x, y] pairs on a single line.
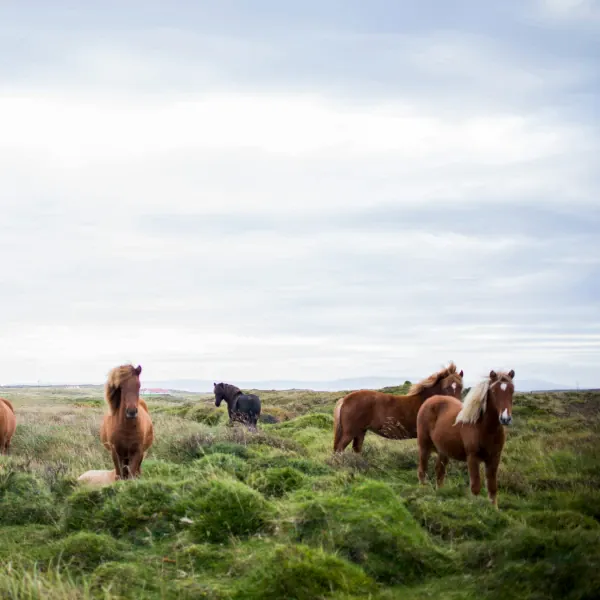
{"points": [[116, 378], [475, 401], [230, 391], [429, 382]]}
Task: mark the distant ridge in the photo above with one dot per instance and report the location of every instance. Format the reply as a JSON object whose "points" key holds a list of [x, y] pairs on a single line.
{"points": [[354, 383], [334, 385]]}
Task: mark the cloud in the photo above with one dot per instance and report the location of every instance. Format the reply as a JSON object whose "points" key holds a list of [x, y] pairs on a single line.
{"points": [[259, 198]]}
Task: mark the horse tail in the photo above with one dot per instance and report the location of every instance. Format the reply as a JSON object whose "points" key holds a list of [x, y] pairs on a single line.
{"points": [[8, 403], [337, 423]]}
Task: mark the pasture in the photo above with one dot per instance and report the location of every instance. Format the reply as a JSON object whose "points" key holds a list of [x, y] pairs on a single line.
{"points": [[224, 513]]}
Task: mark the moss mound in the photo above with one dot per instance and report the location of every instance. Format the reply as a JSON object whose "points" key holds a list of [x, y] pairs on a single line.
{"points": [[556, 520], [25, 499], [118, 580], [209, 415], [317, 420], [369, 525], [540, 564], [239, 450], [277, 481], [228, 463], [459, 518], [127, 507], [303, 573], [85, 551], [224, 508]]}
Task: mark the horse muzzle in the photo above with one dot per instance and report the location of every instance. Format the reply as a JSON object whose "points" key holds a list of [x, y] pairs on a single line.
{"points": [[131, 414], [505, 418]]}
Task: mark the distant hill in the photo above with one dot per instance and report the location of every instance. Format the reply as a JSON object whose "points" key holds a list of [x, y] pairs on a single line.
{"points": [[198, 385]]}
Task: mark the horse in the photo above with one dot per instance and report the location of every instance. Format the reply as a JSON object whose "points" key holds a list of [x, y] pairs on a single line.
{"points": [[471, 431], [241, 407], [388, 415], [127, 430], [8, 425], [98, 477]]}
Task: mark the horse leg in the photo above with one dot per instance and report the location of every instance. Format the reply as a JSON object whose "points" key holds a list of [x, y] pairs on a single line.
{"points": [[343, 442], [135, 464], [491, 479], [440, 469], [425, 448], [119, 470], [474, 476], [357, 443]]}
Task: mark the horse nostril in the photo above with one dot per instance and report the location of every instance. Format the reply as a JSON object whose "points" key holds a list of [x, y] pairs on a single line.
{"points": [[131, 414]]}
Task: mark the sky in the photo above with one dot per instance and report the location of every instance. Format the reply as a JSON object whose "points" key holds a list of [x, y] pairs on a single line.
{"points": [[259, 190]]}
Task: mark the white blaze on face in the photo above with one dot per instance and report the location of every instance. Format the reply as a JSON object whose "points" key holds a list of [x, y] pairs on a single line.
{"points": [[454, 385], [504, 414], [503, 386]]}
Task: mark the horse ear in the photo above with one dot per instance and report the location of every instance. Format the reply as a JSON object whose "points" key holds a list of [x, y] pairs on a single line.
{"points": [[138, 370], [511, 373], [461, 373], [493, 374]]}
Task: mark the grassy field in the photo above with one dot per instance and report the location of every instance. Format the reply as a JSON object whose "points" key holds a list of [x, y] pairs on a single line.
{"points": [[220, 513]]}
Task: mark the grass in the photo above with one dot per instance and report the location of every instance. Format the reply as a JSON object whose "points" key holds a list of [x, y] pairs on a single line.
{"points": [[221, 513]]}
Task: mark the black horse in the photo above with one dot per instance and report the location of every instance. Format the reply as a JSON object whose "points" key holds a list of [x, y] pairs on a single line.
{"points": [[241, 407]]}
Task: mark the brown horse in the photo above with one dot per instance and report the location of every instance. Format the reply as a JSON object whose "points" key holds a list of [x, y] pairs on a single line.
{"points": [[127, 430], [470, 432], [388, 415], [8, 424]]}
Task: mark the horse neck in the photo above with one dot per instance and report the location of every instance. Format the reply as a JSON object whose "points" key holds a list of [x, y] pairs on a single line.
{"points": [[414, 402], [490, 420]]}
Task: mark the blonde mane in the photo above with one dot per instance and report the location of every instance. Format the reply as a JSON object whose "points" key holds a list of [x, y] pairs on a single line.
{"points": [[419, 388], [475, 402], [116, 378]]}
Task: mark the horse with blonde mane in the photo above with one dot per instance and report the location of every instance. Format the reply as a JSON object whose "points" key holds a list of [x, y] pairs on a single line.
{"points": [[8, 425], [471, 431], [127, 430], [388, 415]]}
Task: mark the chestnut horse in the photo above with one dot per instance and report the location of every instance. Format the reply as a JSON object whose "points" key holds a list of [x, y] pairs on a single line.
{"points": [[388, 415], [127, 430], [8, 424], [470, 432]]}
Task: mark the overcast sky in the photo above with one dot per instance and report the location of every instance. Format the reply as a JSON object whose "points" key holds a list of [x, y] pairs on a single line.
{"points": [[247, 190]]}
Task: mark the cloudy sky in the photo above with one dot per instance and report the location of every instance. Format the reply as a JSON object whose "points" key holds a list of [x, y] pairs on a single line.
{"points": [[250, 190]]}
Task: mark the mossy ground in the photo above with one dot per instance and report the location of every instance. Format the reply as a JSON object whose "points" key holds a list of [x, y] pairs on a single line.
{"points": [[221, 513]]}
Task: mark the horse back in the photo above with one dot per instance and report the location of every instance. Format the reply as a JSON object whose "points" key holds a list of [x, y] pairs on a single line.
{"points": [[248, 403], [8, 404]]}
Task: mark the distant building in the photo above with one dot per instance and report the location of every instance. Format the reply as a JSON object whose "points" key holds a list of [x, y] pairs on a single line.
{"points": [[155, 392]]}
